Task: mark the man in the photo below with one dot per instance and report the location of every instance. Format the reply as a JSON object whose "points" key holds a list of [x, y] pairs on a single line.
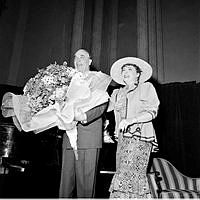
{"points": [[81, 173]]}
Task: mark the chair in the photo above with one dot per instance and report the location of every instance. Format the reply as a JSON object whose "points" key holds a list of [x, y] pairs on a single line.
{"points": [[154, 185], [170, 183]]}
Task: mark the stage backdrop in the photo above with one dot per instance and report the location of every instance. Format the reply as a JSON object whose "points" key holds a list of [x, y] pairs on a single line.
{"points": [[35, 33]]}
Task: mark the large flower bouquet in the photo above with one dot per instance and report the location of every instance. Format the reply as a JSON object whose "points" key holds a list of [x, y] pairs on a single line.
{"points": [[51, 98], [50, 85]]}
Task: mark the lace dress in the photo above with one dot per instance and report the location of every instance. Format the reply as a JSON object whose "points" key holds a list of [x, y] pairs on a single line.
{"points": [[130, 179]]}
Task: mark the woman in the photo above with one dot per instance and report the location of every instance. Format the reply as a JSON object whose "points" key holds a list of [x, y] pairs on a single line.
{"points": [[135, 106]]}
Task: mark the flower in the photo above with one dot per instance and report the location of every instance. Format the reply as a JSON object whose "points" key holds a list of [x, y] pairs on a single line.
{"points": [[48, 86], [52, 97]]}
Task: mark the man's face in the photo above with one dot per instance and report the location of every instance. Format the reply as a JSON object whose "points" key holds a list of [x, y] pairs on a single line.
{"points": [[82, 60]]}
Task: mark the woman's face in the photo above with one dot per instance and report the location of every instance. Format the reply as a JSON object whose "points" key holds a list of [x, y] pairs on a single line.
{"points": [[129, 74]]}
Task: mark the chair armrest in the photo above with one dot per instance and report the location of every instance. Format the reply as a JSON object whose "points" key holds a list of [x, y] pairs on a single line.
{"points": [[171, 194], [154, 185]]}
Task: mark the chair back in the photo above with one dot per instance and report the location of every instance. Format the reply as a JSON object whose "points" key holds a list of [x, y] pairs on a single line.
{"points": [[172, 178]]}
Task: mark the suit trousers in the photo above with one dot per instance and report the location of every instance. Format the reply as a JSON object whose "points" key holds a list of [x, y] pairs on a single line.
{"points": [[79, 174]]}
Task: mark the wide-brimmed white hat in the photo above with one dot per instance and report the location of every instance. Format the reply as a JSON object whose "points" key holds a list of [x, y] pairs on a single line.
{"points": [[116, 69]]}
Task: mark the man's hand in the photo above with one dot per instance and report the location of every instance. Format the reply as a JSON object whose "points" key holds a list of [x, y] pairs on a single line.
{"points": [[70, 126]]}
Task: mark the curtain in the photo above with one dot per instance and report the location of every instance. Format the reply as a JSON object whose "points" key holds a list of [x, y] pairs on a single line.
{"points": [[177, 125]]}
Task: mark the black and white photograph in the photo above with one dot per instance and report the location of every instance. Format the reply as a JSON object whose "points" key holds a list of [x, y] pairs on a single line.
{"points": [[99, 99]]}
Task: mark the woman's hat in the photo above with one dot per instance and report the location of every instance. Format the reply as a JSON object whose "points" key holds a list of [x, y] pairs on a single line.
{"points": [[116, 69]]}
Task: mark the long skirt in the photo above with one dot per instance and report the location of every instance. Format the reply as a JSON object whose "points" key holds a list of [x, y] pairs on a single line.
{"points": [[130, 180]]}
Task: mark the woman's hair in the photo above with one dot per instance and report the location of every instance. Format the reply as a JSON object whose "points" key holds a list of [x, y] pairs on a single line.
{"points": [[138, 70]]}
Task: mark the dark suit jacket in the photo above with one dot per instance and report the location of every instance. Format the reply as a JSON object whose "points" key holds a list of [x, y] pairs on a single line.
{"points": [[90, 134]]}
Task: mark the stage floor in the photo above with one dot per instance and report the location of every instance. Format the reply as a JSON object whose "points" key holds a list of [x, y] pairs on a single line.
{"points": [[42, 181]]}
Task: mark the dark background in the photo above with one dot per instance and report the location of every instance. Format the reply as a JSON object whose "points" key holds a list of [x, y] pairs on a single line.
{"points": [[165, 33]]}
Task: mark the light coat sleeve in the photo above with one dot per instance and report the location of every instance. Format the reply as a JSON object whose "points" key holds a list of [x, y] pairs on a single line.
{"points": [[112, 100], [149, 99]]}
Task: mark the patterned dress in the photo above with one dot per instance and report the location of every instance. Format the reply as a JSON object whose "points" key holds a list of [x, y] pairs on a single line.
{"points": [[132, 157], [130, 179]]}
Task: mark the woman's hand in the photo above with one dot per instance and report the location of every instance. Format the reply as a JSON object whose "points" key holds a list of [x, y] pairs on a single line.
{"points": [[125, 123]]}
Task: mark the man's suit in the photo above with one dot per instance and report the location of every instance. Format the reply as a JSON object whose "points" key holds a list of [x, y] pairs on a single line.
{"points": [[81, 173]]}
